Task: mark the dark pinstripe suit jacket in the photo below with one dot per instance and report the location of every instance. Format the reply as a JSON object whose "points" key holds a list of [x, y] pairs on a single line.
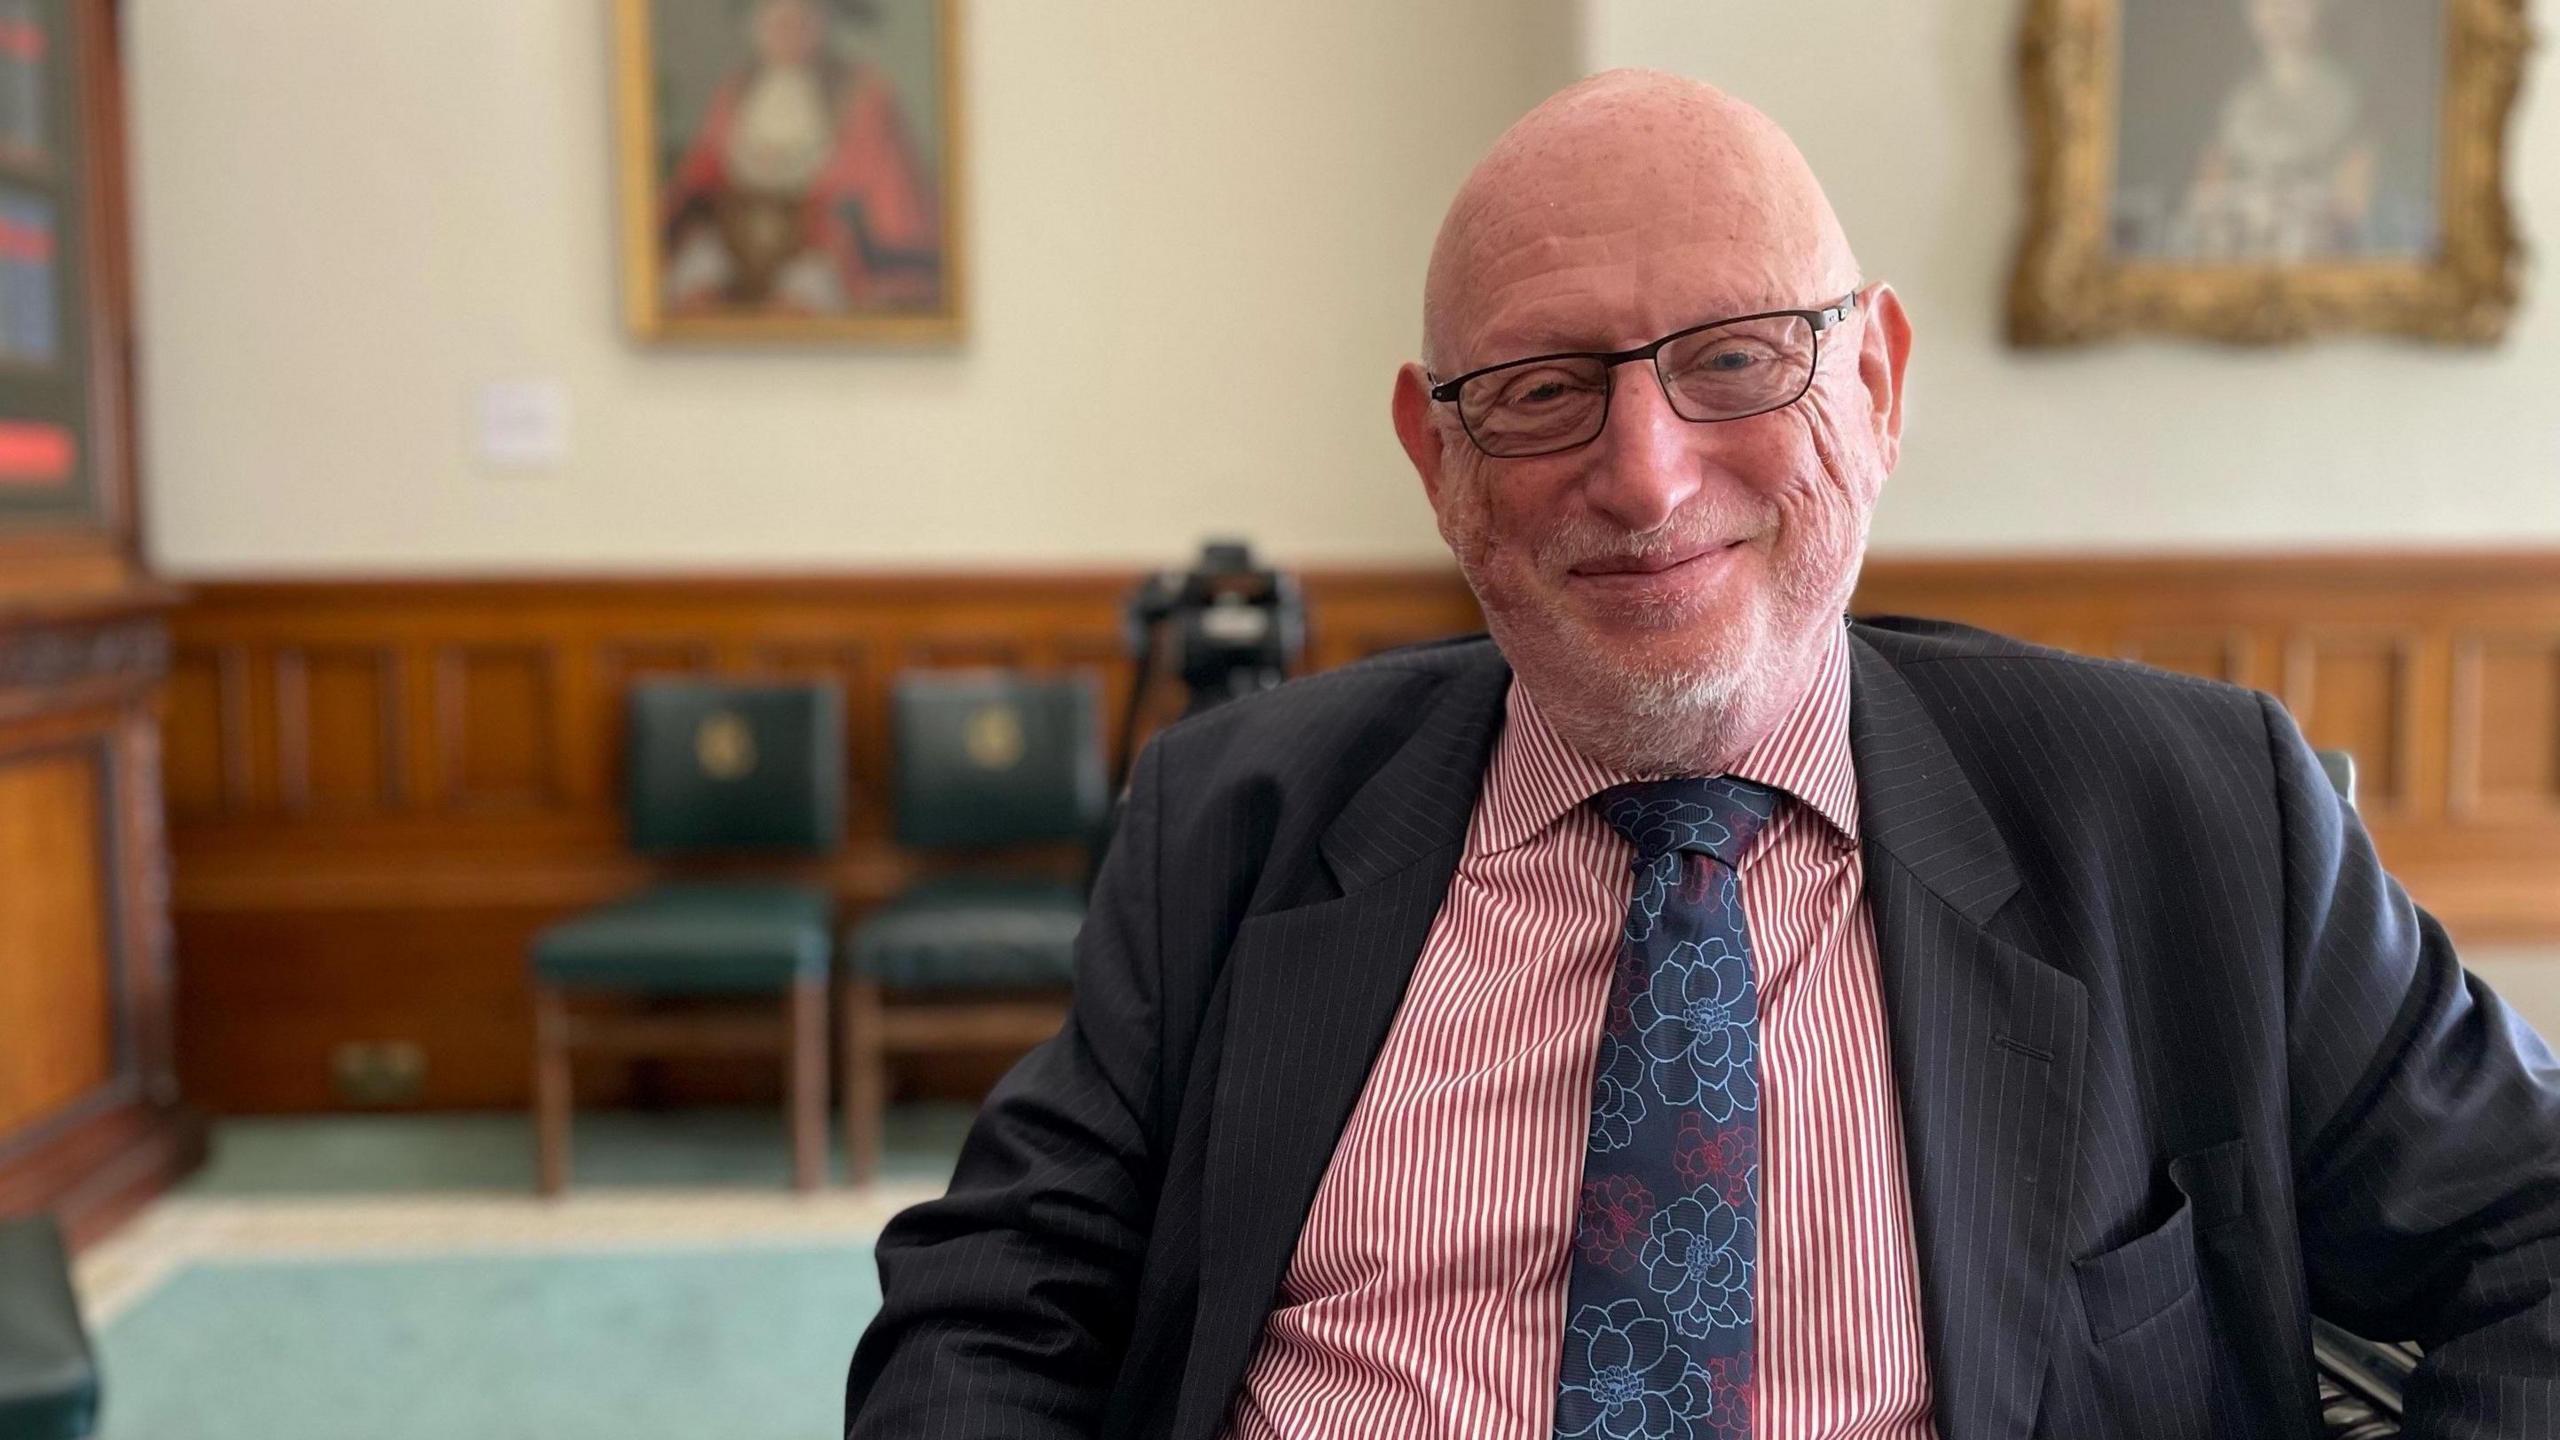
{"points": [[2179, 1065]]}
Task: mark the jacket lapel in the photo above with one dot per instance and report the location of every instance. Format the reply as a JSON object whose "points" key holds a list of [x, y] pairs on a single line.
{"points": [[1987, 1049], [1312, 991]]}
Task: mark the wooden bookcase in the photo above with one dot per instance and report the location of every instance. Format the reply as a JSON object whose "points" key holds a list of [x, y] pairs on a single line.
{"points": [[91, 1124]]}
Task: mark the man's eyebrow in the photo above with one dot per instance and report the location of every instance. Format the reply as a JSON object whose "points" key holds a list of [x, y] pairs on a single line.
{"points": [[1531, 343], [1551, 337]]}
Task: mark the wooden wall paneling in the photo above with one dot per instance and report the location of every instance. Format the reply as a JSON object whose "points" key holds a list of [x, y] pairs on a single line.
{"points": [[2356, 690], [204, 766], [621, 661], [267, 995], [2427, 711], [291, 726], [2506, 725], [964, 652], [497, 725], [147, 1003], [339, 722], [2214, 653], [239, 746], [275, 908], [419, 758], [259, 791]]}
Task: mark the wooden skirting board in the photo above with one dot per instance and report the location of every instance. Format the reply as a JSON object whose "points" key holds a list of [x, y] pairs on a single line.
{"points": [[378, 789]]}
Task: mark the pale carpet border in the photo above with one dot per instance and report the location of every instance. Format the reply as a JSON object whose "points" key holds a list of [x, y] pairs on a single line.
{"points": [[118, 1272]]}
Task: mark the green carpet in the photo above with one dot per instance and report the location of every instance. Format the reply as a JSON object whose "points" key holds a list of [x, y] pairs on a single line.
{"points": [[740, 1345], [711, 1332]]}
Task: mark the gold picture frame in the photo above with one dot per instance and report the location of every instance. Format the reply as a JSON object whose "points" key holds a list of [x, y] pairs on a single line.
{"points": [[849, 227], [2079, 279]]}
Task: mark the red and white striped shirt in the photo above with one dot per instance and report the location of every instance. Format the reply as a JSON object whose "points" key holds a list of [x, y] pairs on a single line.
{"points": [[1426, 1297]]}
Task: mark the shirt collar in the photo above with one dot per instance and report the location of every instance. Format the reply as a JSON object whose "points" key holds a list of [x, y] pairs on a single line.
{"points": [[1536, 777]]}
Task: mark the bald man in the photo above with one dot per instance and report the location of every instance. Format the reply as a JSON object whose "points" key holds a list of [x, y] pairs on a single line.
{"points": [[1691, 1013]]}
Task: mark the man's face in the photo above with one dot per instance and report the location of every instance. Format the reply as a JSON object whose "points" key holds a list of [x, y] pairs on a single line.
{"points": [[1666, 566]]}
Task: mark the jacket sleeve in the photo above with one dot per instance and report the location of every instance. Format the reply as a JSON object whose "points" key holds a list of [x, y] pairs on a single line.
{"points": [[2426, 1132], [1006, 1303]]}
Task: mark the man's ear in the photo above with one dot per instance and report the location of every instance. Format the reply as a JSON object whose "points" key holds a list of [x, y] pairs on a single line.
{"points": [[1411, 406], [1884, 348]]}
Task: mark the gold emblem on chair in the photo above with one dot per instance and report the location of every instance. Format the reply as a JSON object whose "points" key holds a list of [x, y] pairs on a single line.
{"points": [[725, 746], [993, 738]]}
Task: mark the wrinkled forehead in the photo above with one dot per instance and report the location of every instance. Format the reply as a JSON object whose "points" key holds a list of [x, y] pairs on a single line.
{"points": [[1603, 257]]}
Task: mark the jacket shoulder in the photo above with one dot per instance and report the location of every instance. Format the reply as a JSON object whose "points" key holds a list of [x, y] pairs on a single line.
{"points": [[1331, 710], [2093, 770], [1250, 786], [1945, 661]]}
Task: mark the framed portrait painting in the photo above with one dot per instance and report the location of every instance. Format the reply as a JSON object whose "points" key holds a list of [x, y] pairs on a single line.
{"points": [[2260, 171], [51, 439], [790, 169]]}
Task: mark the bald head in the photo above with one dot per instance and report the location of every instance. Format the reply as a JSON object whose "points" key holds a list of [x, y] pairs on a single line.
{"points": [[1625, 143]]}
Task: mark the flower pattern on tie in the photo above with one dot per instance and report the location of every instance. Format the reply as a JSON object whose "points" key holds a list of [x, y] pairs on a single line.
{"points": [[1697, 1256], [1617, 1094], [1700, 1016], [1660, 1300], [1635, 1385]]}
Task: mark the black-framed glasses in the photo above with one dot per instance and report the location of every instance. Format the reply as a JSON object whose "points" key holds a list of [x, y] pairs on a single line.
{"points": [[1722, 370]]}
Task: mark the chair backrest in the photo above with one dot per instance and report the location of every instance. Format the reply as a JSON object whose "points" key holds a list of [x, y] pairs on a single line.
{"points": [[2341, 768], [997, 757], [715, 765]]}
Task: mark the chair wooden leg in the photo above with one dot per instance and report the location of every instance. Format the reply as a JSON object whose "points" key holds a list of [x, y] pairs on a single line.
{"points": [[551, 1100], [866, 1079], [806, 1083]]}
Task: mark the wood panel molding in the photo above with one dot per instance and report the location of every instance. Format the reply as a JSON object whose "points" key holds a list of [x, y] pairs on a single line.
{"points": [[380, 788]]}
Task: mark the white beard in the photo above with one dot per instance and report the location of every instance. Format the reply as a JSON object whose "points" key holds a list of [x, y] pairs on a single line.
{"points": [[1629, 719], [783, 134], [1694, 717]]}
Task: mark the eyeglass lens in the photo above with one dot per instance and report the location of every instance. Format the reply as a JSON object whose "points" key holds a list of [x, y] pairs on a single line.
{"points": [[1723, 372]]}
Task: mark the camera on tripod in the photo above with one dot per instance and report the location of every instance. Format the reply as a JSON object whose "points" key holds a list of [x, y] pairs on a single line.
{"points": [[1227, 626]]}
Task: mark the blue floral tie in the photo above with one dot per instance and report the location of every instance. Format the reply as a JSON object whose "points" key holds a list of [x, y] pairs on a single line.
{"points": [[1658, 1309]]}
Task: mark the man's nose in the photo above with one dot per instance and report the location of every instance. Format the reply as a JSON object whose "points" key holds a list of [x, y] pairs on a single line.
{"points": [[1646, 465]]}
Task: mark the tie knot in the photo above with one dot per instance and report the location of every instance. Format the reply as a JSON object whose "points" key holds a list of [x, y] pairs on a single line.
{"points": [[1714, 816]]}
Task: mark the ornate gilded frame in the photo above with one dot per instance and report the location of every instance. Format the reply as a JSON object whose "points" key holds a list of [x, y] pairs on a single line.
{"points": [[2069, 289], [635, 148]]}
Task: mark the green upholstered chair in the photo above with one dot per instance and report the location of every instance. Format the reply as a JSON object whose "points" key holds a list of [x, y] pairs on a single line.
{"points": [[980, 957], [48, 1380], [715, 771], [2340, 767]]}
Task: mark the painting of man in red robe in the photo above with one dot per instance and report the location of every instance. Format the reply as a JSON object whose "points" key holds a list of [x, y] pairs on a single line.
{"points": [[801, 191]]}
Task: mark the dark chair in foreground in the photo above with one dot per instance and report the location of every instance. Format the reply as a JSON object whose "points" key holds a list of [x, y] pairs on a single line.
{"points": [[974, 959], [48, 1381], [2360, 1380], [715, 771]]}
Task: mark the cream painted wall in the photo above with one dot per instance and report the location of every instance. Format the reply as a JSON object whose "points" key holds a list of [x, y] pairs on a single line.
{"points": [[1198, 237], [1909, 111]]}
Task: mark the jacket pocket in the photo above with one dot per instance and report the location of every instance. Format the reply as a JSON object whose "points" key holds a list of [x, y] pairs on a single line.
{"points": [[2136, 1281]]}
